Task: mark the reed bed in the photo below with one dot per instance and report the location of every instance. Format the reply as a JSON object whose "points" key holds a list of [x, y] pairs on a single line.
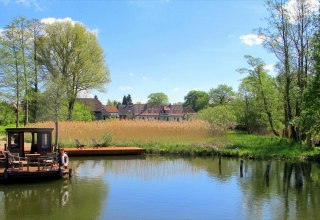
{"points": [[128, 132]]}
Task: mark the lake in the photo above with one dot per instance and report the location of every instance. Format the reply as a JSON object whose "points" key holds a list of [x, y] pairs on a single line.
{"points": [[155, 187]]}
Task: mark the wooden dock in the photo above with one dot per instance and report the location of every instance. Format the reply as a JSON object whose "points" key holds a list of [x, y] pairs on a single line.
{"points": [[30, 174], [104, 151]]}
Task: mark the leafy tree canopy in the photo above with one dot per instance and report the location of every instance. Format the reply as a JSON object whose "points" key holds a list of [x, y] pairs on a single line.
{"points": [[158, 99], [221, 95], [197, 100]]}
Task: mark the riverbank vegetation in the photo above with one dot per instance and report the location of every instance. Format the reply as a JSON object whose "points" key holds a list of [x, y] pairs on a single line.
{"points": [[191, 138]]}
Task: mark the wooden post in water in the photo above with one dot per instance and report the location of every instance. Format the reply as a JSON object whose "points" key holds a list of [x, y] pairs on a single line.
{"points": [[241, 168], [219, 164], [267, 173]]}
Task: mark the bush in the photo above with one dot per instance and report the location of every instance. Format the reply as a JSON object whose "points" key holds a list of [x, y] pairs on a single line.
{"points": [[107, 139]]}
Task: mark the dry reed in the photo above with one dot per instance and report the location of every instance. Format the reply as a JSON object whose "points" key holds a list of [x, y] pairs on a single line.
{"points": [[134, 131]]}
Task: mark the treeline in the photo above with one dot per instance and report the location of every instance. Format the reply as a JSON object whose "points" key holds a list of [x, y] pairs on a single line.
{"points": [[287, 104], [43, 67]]}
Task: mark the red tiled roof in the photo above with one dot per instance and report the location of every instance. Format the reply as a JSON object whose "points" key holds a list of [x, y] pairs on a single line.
{"points": [[111, 109]]}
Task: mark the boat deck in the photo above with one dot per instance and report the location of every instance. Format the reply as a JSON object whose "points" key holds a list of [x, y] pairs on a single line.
{"points": [[87, 151]]}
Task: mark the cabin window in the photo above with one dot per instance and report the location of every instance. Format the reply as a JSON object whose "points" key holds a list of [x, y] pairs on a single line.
{"points": [[45, 140], [14, 141], [35, 138]]}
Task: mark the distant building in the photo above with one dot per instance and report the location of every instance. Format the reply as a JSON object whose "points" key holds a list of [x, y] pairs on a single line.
{"points": [[95, 106], [112, 111], [156, 112]]}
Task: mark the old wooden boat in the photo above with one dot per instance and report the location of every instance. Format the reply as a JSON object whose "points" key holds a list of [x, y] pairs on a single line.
{"points": [[37, 163]]}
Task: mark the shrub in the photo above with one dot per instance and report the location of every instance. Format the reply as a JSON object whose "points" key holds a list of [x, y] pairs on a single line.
{"points": [[107, 139]]}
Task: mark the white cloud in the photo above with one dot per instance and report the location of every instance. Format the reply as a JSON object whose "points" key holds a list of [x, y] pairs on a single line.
{"points": [[175, 89], [67, 19], [144, 78], [269, 67], [125, 88], [131, 74], [94, 31], [252, 39], [53, 20], [85, 94]]}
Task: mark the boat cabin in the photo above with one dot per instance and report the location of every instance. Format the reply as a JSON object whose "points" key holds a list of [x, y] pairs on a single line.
{"points": [[41, 139]]}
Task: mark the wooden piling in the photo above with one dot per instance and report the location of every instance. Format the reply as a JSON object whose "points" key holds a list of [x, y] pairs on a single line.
{"points": [[220, 164], [241, 168], [267, 173]]}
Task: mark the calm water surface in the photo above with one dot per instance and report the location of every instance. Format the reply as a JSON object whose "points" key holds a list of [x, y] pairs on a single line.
{"points": [[170, 188]]}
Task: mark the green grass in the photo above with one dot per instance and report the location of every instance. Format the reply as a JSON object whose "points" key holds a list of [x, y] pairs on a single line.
{"points": [[235, 144], [263, 147]]}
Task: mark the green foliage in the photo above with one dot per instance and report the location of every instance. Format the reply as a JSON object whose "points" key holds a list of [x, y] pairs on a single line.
{"points": [[71, 52], [113, 102], [158, 99], [127, 100], [7, 115], [221, 95], [309, 120], [197, 100], [82, 112], [260, 97], [222, 115], [107, 140]]}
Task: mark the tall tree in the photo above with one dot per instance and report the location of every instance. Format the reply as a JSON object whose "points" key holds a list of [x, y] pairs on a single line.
{"points": [[72, 52], [277, 40], [158, 98], [36, 31], [221, 95], [129, 100], [262, 85], [12, 66], [287, 36], [309, 120], [53, 100], [197, 100]]}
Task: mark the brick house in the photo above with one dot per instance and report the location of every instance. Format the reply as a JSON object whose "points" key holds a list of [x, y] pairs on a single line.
{"points": [[156, 112], [95, 106], [112, 111]]}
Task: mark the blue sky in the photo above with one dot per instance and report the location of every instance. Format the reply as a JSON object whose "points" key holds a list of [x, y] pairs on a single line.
{"points": [[170, 46]]}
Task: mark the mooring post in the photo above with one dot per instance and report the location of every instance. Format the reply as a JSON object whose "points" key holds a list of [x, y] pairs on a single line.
{"points": [[241, 168], [219, 164], [267, 173]]}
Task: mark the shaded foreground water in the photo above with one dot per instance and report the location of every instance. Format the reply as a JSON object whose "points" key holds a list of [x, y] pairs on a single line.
{"points": [[170, 188]]}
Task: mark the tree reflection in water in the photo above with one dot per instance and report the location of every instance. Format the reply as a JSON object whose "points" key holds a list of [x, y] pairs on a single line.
{"points": [[76, 198], [264, 189]]}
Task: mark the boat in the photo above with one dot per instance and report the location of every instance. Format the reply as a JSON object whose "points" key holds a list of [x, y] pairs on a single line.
{"points": [[38, 162]]}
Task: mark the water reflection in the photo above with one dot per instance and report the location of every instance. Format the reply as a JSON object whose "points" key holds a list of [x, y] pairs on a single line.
{"points": [[155, 187], [76, 198]]}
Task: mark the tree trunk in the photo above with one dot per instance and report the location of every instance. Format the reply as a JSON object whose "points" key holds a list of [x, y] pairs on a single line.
{"points": [[70, 108]]}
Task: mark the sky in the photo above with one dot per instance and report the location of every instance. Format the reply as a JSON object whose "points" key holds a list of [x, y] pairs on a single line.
{"points": [[169, 46]]}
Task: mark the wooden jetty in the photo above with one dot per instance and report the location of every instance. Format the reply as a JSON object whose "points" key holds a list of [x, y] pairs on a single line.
{"points": [[104, 151]]}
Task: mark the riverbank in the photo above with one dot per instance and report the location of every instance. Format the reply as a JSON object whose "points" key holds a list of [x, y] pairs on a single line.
{"points": [[185, 139], [239, 144]]}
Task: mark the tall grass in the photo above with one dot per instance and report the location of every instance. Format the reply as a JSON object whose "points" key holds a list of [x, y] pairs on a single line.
{"points": [[126, 132]]}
